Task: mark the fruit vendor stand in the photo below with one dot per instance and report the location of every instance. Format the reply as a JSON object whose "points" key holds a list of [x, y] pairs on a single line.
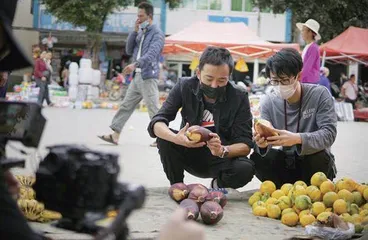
{"points": [[238, 221]]}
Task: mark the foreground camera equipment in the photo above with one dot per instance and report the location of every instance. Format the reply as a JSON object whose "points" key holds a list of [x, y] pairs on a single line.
{"points": [[76, 181]]}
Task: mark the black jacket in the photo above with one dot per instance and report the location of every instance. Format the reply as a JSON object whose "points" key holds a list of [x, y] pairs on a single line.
{"points": [[232, 116]]}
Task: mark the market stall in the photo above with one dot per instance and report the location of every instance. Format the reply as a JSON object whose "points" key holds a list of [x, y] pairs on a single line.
{"points": [[351, 45], [239, 39]]}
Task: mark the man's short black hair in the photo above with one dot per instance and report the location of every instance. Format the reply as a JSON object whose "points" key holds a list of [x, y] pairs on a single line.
{"points": [[148, 8], [352, 75], [216, 56], [285, 63]]}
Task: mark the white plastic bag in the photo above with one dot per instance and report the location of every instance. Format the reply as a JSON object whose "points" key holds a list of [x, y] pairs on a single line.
{"points": [[330, 233]]}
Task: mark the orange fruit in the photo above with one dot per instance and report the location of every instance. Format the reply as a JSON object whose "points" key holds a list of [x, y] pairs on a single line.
{"points": [[277, 194], [273, 211], [290, 219], [307, 219], [329, 198], [267, 187], [318, 208], [300, 183], [318, 178], [340, 206], [260, 211], [327, 186]]}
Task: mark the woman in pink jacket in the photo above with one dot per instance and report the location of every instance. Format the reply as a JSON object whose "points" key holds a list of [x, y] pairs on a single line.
{"points": [[310, 55]]}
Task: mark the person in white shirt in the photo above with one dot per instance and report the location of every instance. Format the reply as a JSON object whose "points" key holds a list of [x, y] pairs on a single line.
{"points": [[349, 90]]}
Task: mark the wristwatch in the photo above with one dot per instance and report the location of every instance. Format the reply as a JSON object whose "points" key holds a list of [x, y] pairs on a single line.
{"points": [[136, 64], [225, 152]]}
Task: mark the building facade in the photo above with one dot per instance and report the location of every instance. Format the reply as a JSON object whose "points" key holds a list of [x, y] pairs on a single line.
{"points": [[269, 26], [22, 27]]}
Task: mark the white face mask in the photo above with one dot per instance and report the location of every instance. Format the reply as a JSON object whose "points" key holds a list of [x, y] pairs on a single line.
{"points": [[144, 24], [286, 91]]}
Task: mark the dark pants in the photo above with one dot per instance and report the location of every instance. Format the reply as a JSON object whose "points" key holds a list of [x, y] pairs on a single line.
{"points": [[44, 92], [232, 173], [274, 167], [348, 100], [3, 90]]}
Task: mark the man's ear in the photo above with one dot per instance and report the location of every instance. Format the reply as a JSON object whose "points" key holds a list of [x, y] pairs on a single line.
{"points": [[198, 73], [299, 76]]}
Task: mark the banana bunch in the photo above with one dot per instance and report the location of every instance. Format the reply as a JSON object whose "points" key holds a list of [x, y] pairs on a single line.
{"points": [[26, 181], [31, 208], [47, 215], [26, 193]]}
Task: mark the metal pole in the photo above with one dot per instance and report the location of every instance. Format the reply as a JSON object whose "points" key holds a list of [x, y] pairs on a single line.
{"points": [[36, 13], [163, 16], [255, 70], [323, 59]]}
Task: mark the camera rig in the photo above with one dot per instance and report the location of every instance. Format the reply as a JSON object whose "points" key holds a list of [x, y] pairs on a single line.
{"points": [[76, 181]]}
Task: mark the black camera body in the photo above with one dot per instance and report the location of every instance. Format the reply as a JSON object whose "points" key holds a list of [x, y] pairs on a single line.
{"points": [[79, 183], [75, 180]]}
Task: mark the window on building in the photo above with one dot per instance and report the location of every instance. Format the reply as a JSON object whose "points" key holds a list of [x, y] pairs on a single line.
{"points": [[155, 3], [237, 5], [241, 5], [189, 4], [215, 4], [202, 4], [248, 6]]}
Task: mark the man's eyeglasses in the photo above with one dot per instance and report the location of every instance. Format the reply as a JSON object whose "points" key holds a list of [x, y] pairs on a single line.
{"points": [[275, 82]]}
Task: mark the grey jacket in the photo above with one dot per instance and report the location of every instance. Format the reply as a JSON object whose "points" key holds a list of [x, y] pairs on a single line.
{"points": [[318, 119], [153, 44]]}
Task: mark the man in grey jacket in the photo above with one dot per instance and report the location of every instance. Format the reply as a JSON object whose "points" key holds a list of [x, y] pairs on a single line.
{"points": [[304, 118], [145, 43]]}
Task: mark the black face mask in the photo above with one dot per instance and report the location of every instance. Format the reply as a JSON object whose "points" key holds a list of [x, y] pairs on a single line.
{"points": [[213, 93]]}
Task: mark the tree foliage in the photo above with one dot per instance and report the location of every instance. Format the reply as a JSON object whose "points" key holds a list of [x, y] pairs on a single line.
{"points": [[90, 14], [334, 16]]}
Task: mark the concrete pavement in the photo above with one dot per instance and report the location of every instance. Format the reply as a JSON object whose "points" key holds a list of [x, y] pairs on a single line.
{"points": [[141, 163]]}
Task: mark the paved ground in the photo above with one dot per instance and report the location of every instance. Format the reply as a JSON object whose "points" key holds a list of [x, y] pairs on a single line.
{"points": [[140, 163]]}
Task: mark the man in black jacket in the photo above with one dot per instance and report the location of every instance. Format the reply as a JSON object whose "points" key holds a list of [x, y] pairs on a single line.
{"points": [[208, 100]]}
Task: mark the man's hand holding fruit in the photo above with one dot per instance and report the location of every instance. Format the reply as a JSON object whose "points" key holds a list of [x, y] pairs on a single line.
{"points": [[196, 136], [194, 140], [265, 135]]}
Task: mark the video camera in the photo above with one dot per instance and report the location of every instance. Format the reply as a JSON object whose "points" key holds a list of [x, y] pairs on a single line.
{"points": [[76, 181]]}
